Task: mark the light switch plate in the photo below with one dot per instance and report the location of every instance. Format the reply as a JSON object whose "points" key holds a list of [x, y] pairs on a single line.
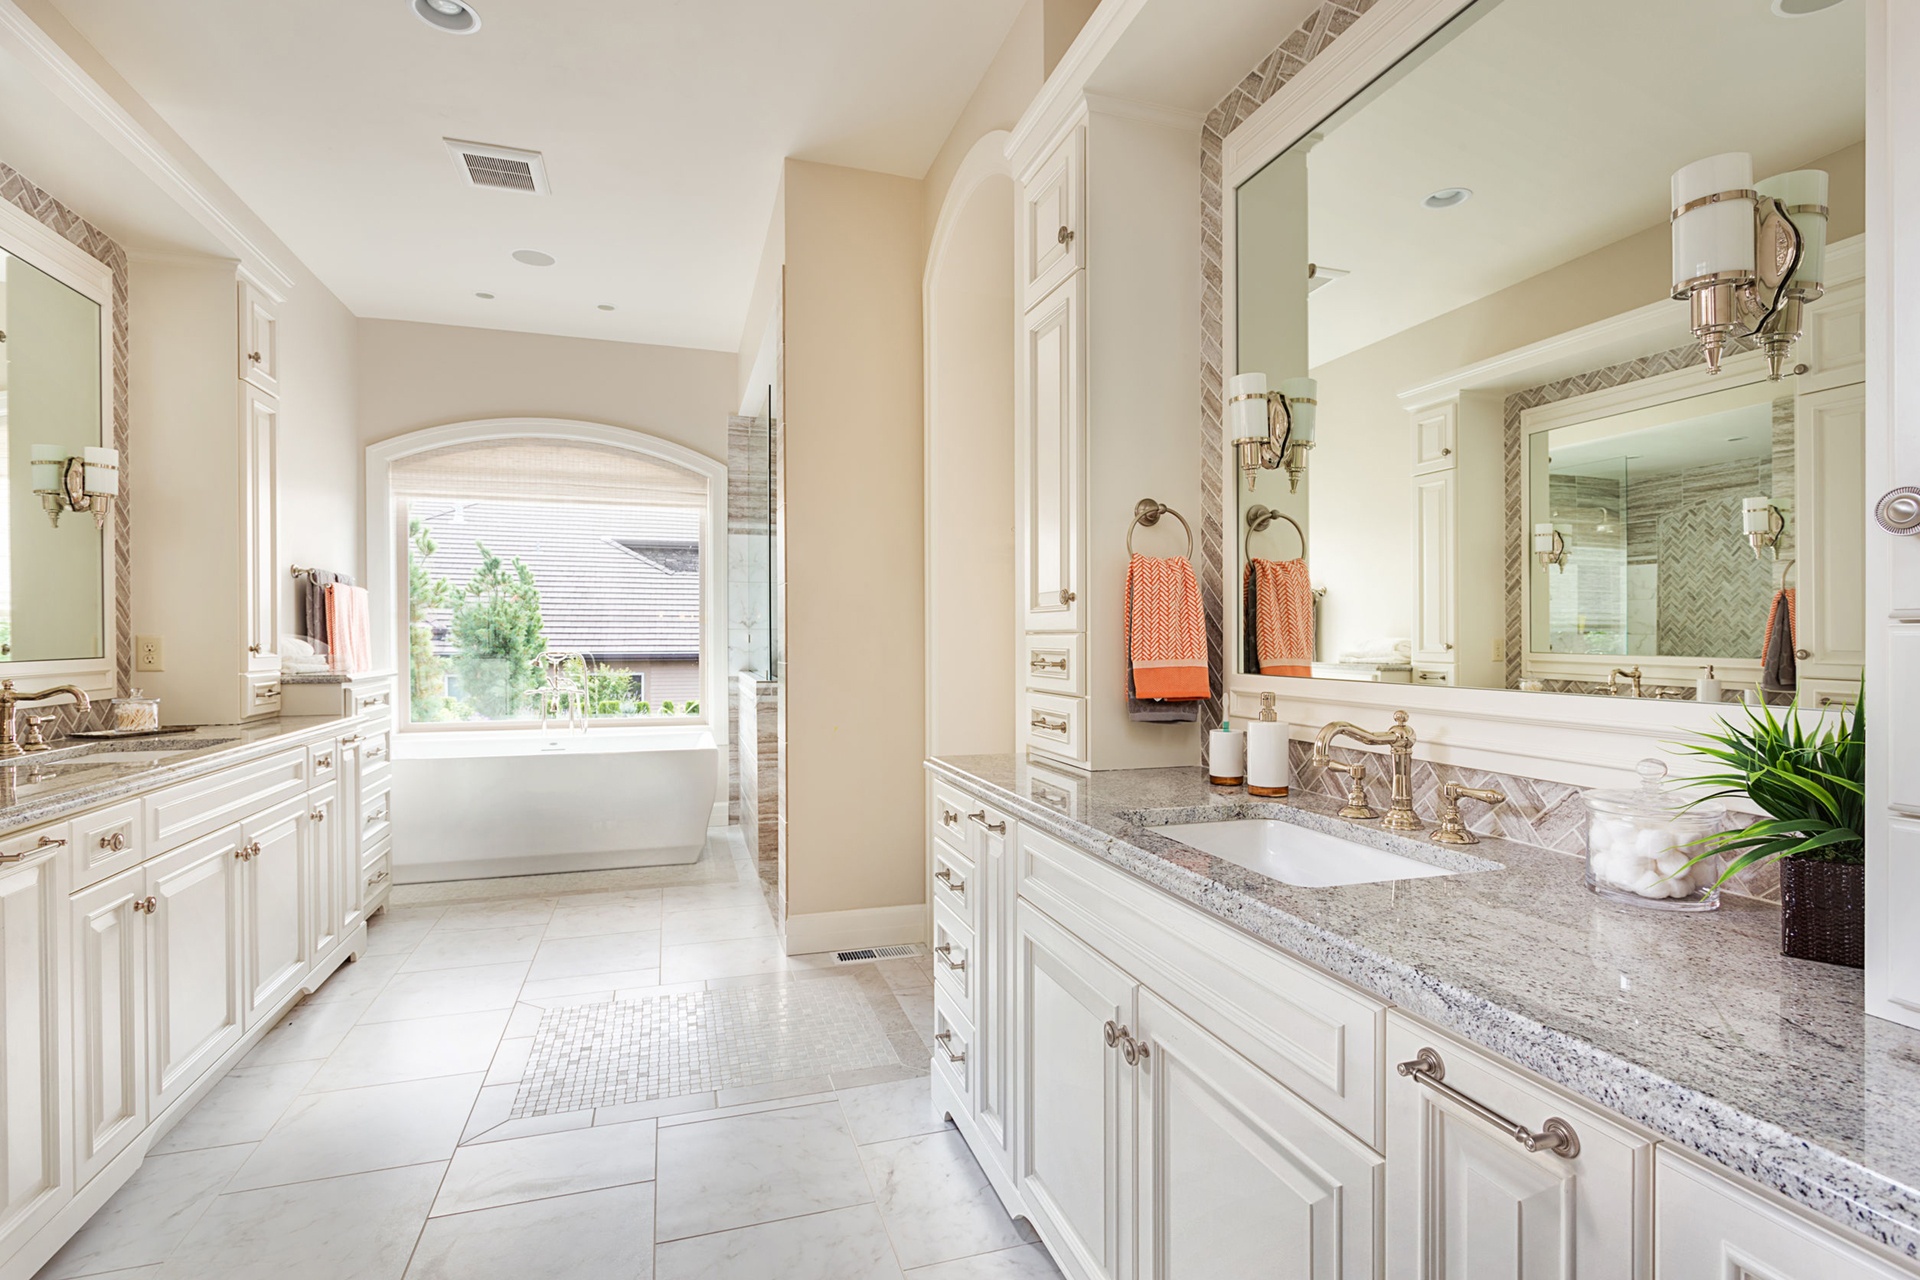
{"points": [[148, 654]]}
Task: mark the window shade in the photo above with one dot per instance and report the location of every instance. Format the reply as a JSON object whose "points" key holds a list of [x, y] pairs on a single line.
{"points": [[545, 470]]}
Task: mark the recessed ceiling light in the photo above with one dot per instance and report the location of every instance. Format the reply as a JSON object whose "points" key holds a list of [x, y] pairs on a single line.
{"points": [[606, 306], [533, 257], [455, 16], [487, 296], [1447, 198], [1800, 8]]}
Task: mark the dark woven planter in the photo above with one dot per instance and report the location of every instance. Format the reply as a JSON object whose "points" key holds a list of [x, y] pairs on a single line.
{"points": [[1823, 912]]}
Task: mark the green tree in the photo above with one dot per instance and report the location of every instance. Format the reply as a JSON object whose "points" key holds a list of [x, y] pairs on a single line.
{"points": [[609, 691], [427, 671], [499, 637]]}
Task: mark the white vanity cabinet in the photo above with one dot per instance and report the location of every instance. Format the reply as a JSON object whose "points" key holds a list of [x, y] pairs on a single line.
{"points": [[259, 328], [1831, 613], [34, 1017], [260, 545], [1458, 483], [1050, 469], [274, 882], [109, 934], [196, 1010]]}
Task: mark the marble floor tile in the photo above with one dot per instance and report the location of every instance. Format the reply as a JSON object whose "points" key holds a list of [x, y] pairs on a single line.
{"points": [[386, 1126], [241, 1108], [551, 993], [721, 1110], [525, 1020], [144, 1220], [735, 958], [720, 924], [591, 1235], [586, 915], [308, 1032], [490, 1110], [886, 1112], [841, 1244], [418, 1049], [397, 930], [596, 953], [533, 1126], [755, 1168], [458, 948], [490, 1174], [654, 1108], [917, 1004], [1028, 1262], [362, 1226], [359, 978], [494, 915], [440, 991], [937, 1203], [509, 1061]]}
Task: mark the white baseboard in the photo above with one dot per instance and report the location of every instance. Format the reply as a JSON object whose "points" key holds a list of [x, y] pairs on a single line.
{"points": [[863, 927], [718, 818]]}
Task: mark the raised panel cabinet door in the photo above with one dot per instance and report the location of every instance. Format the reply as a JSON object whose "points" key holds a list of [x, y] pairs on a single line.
{"points": [[320, 833], [1435, 438], [273, 925], [260, 528], [1052, 246], [34, 1098], [110, 1023], [1237, 1175], [1707, 1225], [194, 967], [347, 843], [1832, 605], [259, 340], [1433, 497], [1051, 463], [988, 840], [1073, 1148], [1465, 1201]]}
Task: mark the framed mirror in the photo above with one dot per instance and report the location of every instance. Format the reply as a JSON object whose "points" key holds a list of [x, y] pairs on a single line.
{"points": [[1503, 462], [57, 458]]}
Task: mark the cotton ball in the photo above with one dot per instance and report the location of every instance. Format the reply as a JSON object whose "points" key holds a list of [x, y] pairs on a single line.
{"points": [[1671, 863]]}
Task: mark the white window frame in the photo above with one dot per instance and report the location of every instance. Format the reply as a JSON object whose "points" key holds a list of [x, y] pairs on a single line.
{"points": [[387, 552]]}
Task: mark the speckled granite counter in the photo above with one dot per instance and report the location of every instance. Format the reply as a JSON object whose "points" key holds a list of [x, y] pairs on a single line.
{"points": [[35, 790], [1692, 1025]]}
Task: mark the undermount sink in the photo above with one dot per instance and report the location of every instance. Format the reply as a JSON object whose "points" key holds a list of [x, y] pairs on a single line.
{"points": [[1297, 855]]}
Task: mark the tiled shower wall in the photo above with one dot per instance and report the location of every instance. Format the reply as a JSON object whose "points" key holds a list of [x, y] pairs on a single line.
{"points": [[16, 190]]}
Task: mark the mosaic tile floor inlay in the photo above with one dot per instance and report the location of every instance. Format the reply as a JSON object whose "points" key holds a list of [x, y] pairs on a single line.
{"points": [[612, 1052]]}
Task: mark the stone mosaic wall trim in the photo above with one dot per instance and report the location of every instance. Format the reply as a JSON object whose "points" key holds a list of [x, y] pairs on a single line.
{"points": [[21, 193]]}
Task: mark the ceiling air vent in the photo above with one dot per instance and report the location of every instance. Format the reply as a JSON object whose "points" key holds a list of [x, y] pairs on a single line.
{"points": [[500, 168]]}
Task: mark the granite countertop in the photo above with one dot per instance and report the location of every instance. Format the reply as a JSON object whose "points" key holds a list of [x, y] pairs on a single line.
{"points": [[35, 789], [1692, 1025]]}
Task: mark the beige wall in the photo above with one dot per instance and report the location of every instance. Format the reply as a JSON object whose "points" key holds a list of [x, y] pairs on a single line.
{"points": [[321, 464], [1361, 530], [851, 520], [1004, 92]]}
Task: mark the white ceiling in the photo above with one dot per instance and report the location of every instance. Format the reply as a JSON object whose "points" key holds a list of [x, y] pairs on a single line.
{"points": [[1565, 118], [663, 123]]}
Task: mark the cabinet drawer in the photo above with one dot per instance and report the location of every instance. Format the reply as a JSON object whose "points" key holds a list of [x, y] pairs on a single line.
{"points": [[1055, 788], [192, 809], [947, 818], [107, 842], [956, 969], [953, 1055], [1052, 200], [953, 882], [1432, 675], [376, 814], [1310, 1031], [23, 846], [323, 762], [260, 694], [1055, 725], [1055, 663], [377, 873], [373, 700], [1709, 1225]]}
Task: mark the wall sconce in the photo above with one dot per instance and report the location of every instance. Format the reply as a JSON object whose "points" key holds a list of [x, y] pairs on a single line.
{"points": [[1271, 429], [89, 482], [1738, 252], [1763, 524], [1549, 548]]}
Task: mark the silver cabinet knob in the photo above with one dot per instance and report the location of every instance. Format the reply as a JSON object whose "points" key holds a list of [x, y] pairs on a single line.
{"points": [[1067, 597], [1899, 511], [1065, 236]]}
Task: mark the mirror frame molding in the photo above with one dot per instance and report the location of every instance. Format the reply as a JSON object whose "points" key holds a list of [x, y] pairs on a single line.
{"points": [[1578, 739], [24, 236]]}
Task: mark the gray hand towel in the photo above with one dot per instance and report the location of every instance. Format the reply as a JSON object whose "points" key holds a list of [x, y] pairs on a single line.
{"points": [[1779, 673]]}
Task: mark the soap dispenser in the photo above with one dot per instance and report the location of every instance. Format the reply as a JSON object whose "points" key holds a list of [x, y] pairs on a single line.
{"points": [[1268, 742]]}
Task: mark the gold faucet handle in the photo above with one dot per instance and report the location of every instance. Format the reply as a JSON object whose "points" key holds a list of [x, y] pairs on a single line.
{"points": [[1356, 807], [1452, 828]]}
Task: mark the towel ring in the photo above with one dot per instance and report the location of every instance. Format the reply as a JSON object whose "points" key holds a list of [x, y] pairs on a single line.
{"points": [[1258, 518], [1785, 569], [1148, 512]]}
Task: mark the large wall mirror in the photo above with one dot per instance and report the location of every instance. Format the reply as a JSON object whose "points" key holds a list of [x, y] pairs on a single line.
{"points": [[1519, 472], [56, 455]]}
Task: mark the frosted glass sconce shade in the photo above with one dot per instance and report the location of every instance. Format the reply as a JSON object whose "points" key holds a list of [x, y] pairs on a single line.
{"points": [[1303, 405], [1716, 236]]}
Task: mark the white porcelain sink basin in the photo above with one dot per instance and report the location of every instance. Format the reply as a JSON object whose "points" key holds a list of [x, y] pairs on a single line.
{"points": [[1298, 855]]}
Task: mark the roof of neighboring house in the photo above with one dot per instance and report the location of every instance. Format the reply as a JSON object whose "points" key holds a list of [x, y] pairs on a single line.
{"points": [[614, 582]]}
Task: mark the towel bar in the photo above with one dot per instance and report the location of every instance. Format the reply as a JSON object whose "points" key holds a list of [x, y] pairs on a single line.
{"points": [[1148, 512]]}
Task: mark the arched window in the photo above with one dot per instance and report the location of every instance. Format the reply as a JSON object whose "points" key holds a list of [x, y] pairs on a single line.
{"points": [[536, 566]]}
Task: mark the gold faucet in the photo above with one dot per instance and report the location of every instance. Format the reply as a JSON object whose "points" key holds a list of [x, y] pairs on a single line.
{"points": [[1613, 677], [1400, 814], [1453, 828], [9, 748]]}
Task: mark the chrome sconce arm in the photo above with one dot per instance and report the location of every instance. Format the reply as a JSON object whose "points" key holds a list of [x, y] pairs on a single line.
{"points": [[88, 482]]}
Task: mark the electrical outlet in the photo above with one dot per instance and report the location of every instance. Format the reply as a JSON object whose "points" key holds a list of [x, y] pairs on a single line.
{"points": [[148, 654], [1500, 649]]}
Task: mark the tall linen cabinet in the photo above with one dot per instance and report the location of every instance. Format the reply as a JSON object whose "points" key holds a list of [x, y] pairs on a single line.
{"points": [[1107, 221]]}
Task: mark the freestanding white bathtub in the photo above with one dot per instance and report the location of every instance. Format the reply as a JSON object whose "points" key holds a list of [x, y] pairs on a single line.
{"points": [[467, 805]]}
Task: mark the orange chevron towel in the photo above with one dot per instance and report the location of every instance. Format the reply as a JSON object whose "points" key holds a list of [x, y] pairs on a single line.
{"points": [[1283, 616], [1166, 630]]}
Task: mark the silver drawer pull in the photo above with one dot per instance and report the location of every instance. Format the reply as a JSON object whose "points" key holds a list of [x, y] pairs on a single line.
{"points": [[1114, 1031], [998, 828], [944, 954], [1555, 1136], [945, 876], [1134, 1051], [1067, 597], [148, 904], [1049, 724], [374, 753], [1041, 662], [377, 879], [318, 815], [948, 817], [350, 739], [44, 843], [376, 817], [945, 1040], [323, 762], [115, 842]]}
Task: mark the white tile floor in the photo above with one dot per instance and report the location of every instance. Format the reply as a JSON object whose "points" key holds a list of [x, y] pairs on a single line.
{"points": [[368, 1136]]}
